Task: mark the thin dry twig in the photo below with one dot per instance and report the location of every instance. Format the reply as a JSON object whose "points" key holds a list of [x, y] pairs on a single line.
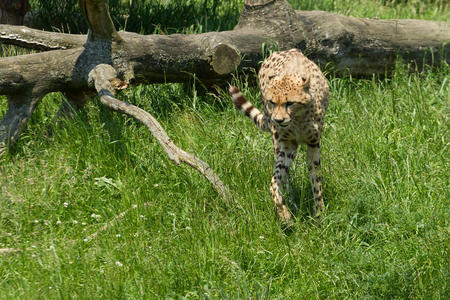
{"points": [[106, 226], [113, 221], [9, 250], [6, 251]]}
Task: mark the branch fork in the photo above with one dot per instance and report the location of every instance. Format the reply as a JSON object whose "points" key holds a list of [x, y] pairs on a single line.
{"points": [[86, 67], [104, 78]]}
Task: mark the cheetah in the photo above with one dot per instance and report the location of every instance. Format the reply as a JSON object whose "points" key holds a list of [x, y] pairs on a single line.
{"points": [[295, 96]]}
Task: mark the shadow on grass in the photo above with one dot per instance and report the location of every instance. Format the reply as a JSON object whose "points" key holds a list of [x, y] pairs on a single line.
{"points": [[303, 200]]}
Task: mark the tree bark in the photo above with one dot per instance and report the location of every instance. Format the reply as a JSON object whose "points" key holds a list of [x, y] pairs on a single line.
{"points": [[360, 47]]}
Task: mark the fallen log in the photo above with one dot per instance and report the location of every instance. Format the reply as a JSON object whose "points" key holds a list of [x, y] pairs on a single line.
{"points": [[360, 47]]}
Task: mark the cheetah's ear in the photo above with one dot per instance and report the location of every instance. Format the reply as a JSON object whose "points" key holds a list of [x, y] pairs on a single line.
{"points": [[305, 80]]}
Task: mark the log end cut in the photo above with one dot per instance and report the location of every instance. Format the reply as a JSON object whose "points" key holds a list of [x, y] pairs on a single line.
{"points": [[225, 59]]}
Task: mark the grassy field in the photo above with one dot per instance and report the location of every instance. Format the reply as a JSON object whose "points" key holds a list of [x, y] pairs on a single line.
{"points": [[169, 16], [385, 233]]}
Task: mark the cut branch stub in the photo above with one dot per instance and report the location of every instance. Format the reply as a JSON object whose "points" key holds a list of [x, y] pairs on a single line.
{"points": [[225, 59], [99, 20]]}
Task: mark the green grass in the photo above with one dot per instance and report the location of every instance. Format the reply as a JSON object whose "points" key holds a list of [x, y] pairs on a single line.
{"points": [[383, 9], [144, 16], [385, 233], [169, 16]]}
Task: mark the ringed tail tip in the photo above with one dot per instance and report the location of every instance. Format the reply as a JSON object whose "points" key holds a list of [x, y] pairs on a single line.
{"points": [[233, 90]]}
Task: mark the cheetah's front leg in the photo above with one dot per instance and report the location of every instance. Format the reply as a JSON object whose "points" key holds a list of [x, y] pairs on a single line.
{"points": [[315, 174], [279, 186]]}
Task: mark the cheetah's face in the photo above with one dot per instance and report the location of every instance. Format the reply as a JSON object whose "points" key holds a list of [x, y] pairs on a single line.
{"points": [[286, 97]]}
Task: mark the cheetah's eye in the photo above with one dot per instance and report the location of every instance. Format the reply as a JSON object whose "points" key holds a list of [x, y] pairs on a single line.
{"points": [[289, 103], [271, 103]]}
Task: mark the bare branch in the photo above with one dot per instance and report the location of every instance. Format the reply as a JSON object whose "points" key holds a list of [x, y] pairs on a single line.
{"points": [[39, 40], [4, 251], [113, 222], [99, 20], [105, 81]]}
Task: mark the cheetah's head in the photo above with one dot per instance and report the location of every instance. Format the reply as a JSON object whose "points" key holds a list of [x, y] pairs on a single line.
{"points": [[286, 97]]}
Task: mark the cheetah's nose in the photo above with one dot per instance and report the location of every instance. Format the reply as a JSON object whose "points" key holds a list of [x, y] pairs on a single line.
{"points": [[281, 122]]}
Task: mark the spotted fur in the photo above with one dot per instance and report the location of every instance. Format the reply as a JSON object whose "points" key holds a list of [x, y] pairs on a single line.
{"points": [[295, 96]]}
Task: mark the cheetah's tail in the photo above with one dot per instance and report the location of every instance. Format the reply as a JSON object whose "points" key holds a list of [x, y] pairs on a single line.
{"points": [[247, 108]]}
